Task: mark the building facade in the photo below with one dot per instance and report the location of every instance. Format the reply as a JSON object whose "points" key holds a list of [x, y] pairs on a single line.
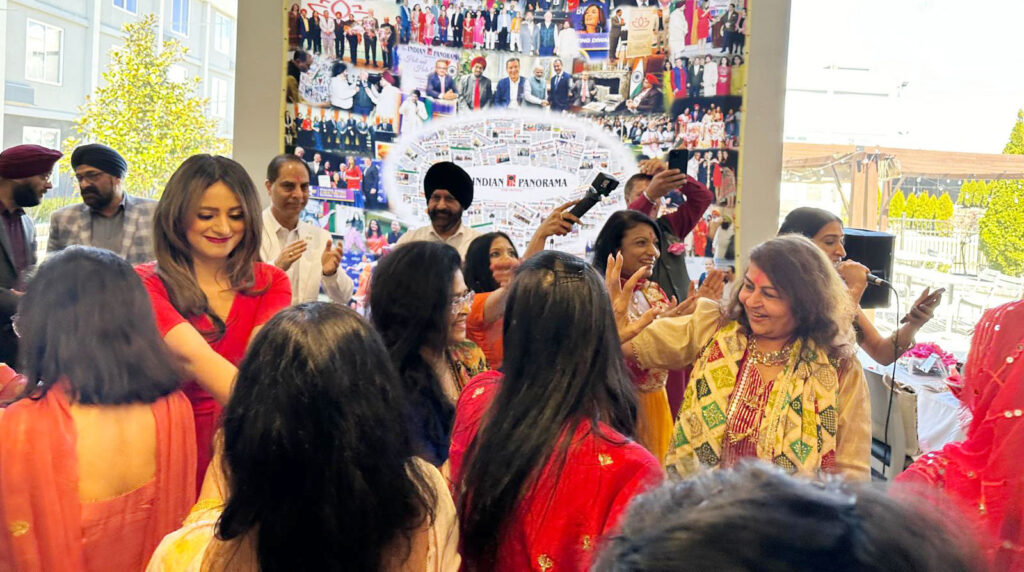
{"points": [[56, 51]]}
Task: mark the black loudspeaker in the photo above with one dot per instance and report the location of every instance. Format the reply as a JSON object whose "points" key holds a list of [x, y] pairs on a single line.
{"points": [[875, 250]]}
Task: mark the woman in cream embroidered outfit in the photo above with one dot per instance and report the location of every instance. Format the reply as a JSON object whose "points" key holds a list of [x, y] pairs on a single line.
{"points": [[773, 372], [318, 471]]}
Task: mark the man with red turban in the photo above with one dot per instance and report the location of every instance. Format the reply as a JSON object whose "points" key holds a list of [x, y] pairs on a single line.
{"points": [[475, 91], [24, 179], [649, 100]]}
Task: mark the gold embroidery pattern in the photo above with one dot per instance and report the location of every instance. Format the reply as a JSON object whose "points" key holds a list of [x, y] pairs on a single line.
{"points": [[588, 543], [605, 460], [477, 392], [18, 528], [545, 562]]}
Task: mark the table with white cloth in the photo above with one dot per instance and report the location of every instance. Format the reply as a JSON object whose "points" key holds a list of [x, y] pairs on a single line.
{"points": [[941, 418]]}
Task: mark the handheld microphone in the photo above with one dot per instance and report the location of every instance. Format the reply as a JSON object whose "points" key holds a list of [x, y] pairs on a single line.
{"points": [[872, 279]]}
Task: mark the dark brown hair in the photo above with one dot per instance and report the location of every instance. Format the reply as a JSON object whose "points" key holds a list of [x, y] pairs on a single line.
{"points": [[818, 299], [178, 205], [757, 517]]}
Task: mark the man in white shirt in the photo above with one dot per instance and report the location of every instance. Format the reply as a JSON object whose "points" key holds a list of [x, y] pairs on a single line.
{"points": [[305, 252], [511, 88], [449, 192]]}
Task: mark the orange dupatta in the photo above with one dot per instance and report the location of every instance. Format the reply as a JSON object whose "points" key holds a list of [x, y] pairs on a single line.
{"points": [[39, 504]]}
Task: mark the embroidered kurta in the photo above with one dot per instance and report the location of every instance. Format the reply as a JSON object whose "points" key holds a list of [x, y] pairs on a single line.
{"points": [[817, 414], [560, 521]]}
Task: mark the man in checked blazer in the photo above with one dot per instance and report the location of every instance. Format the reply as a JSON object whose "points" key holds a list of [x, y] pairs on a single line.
{"points": [[108, 217]]}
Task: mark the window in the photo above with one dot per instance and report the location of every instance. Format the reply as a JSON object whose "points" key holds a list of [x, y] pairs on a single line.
{"points": [[218, 98], [127, 5], [221, 33], [45, 136], [179, 17], [43, 53]]}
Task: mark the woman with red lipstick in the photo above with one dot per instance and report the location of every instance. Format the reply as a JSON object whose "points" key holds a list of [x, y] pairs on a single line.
{"points": [[637, 238], [826, 230], [209, 291], [774, 376]]}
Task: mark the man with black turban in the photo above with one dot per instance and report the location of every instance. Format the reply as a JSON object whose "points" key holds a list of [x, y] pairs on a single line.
{"points": [[24, 179], [108, 218], [449, 191]]}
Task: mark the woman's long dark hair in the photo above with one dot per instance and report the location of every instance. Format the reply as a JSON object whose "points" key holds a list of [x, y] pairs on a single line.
{"points": [[178, 205], [609, 240], [563, 366], [87, 318], [477, 268], [317, 461], [410, 305]]}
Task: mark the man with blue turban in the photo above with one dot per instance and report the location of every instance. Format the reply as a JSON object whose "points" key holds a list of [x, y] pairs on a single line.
{"points": [[108, 217]]}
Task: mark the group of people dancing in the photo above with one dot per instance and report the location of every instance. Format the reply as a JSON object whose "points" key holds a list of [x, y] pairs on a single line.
{"points": [[496, 411]]}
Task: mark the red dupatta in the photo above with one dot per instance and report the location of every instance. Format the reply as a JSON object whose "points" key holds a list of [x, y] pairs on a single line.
{"points": [[982, 474], [39, 503]]}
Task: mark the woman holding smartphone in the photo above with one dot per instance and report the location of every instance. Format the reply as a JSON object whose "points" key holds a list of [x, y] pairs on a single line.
{"points": [[826, 230]]}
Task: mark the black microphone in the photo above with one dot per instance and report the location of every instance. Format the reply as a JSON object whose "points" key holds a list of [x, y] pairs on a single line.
{"points": [[877, 281]]}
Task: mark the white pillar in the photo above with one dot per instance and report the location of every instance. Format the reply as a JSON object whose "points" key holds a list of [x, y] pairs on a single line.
{"points": [[207, 32], [760, 167], [259, 85], [3, 69], [94, 66]]}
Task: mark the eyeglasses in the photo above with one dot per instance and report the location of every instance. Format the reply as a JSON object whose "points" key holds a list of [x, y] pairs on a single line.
{"points": [[458, 301], [91, 176]]}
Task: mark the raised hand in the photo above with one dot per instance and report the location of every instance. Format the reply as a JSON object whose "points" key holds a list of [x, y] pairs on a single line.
{"points": [[621, 296], [292, 252], [331, 258]]}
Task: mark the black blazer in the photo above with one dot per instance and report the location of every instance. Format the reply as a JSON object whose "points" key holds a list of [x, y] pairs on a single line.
{"points": [[8, 279]]}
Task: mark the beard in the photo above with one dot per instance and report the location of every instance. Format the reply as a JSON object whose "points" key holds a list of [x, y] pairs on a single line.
{"points": [[25, 195], [444, 220], [95, 198]]}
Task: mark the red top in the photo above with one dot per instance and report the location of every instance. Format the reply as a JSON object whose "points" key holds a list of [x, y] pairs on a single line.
{"points": [[272, 293], [560, 521], [682, 221]]}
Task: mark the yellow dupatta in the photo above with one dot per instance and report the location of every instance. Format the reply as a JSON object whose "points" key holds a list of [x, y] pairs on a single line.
{"points": [[798, 430]]}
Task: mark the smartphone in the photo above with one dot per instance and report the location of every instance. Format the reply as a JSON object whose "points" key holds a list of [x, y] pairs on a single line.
{"points": [[677, 159]]}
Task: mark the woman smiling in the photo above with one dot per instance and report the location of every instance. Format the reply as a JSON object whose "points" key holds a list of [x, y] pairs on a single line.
{"points": [[209, 291], [773, 372]]}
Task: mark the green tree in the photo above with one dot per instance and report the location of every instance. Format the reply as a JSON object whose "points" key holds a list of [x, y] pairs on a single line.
{"points": [[897, 204], [963, 198], [1002, 227], [944, 209], [1015, 146], [155, 123], [910, 210]]}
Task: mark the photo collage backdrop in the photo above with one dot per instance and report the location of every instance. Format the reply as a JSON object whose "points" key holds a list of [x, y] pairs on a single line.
{"points": [[654, 75]]}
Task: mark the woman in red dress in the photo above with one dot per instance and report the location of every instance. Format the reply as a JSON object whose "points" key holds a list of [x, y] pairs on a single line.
{"points": [[353, 174], [982, 474], [209, 291], [542, 463], [724, 79]]}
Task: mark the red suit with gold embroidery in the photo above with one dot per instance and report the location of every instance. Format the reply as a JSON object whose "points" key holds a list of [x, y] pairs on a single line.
{"points": [[561, 518]]}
